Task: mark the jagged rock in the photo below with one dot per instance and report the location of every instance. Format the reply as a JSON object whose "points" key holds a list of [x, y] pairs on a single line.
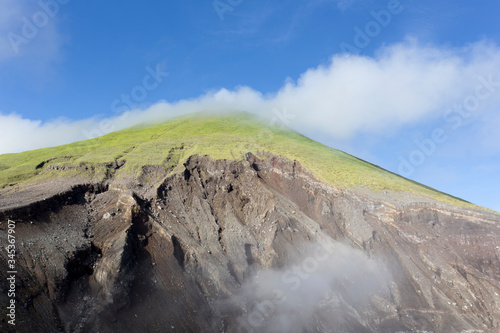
{"points": [[216, 248]]}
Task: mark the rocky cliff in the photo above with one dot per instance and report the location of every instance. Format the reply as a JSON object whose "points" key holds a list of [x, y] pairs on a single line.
{"points": [[259, 245]]}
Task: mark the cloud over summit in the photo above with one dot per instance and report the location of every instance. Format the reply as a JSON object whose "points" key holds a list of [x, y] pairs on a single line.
{"points": [[401, 84]]}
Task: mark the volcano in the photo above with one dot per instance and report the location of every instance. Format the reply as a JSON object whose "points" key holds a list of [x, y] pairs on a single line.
{"points": [[225, 223]]}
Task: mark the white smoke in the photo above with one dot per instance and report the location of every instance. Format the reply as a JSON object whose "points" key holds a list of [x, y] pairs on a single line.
{"points": [[331, 279]]}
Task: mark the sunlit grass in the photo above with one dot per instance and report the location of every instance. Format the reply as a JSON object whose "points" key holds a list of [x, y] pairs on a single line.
{"points": [[220, 136]]}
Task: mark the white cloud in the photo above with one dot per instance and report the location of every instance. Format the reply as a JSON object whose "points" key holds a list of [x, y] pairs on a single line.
{"points": [[29, 29], [402, 84], [19, 134]]}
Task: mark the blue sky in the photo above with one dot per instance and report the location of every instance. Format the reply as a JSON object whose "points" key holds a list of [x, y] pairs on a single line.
{"points": [[412, 86]]}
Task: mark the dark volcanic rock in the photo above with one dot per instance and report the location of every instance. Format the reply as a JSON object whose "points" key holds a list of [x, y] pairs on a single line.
{"points": [[233, 247]]}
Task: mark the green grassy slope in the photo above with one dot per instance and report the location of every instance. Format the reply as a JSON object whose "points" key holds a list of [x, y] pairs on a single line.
{"points": [[220, 136]]}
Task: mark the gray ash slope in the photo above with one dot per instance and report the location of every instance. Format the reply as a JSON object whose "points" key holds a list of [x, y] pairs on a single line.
{"points": [[257, 245]]}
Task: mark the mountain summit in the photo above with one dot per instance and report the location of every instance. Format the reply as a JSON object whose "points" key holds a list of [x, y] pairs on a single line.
{"points": [[142, 156], [226, 223]]}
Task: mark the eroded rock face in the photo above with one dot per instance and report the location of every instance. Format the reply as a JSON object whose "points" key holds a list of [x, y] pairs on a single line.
{"points": [[259, 245]]}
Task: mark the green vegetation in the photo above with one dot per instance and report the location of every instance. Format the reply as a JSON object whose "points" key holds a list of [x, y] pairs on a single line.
{"points": [[220, 136]]}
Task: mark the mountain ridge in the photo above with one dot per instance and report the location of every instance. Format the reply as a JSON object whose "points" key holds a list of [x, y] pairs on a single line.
{"points": [[212, 248], [127, 155]]}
